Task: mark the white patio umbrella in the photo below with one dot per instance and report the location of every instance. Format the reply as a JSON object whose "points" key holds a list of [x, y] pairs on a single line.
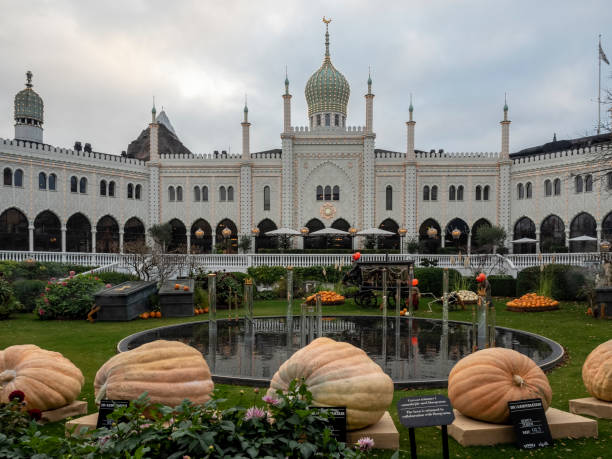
{"points": [[524, 240], [582, 238], [329, 232], [375, 232], [283, 232]]}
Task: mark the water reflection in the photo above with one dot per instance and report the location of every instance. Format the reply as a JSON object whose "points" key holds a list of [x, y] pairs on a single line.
{"points": [[408, 349]]}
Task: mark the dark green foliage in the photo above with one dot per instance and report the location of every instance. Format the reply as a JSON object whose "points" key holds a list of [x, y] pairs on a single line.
{"points": [[430, 279], [567, 281], [70, 299], [227, 282], [27, 290], [200, 298], [502, 286], [266, 295], [8, 303], [14, 270], [114, 277], [266, 275]]}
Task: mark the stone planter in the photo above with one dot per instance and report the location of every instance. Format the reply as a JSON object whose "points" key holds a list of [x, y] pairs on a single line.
{"points": [[603, 302], [125, 301], [177, 302]]}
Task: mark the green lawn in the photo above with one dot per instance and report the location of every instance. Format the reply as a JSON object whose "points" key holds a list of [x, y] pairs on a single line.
{"points": [[90, 345]]}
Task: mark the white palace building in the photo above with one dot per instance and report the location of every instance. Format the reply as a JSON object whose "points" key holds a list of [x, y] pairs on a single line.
{"points": [[326, 174]]}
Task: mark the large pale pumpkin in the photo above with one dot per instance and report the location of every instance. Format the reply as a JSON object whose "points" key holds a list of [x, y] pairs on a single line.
{"points": [[597, 372], [168, 371], [48, 379], [339, 374], [481, 384]]}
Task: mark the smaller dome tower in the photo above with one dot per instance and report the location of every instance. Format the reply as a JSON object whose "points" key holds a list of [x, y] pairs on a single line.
{"points": [[28, 113]]}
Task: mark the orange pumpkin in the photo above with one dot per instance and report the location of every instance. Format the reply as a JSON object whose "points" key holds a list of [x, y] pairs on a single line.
{"points": [[48, 379], [597, 372], [145, 315], [205, 310], [168, 371], [481, 384], [339, 374], [186, 288], [177, 286]]}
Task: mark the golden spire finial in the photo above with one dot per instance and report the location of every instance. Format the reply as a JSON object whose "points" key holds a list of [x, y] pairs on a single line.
{"points": [[326, 21]]}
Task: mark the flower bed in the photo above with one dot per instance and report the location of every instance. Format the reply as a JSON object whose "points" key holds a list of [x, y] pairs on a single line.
{"points": [[69, 299]]}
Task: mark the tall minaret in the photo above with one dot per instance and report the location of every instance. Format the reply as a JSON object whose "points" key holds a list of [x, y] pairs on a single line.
{"points": [[369, 106], [286, 105], [503, 196], [410, 156], [28, 113], [505, 140], [155, 191], [246, 150]]}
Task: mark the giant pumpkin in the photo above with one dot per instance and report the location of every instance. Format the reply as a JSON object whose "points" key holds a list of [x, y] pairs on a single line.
{"points": [[339, 374], [597, 372], [48, 379], [168, 371], [481, 384]]}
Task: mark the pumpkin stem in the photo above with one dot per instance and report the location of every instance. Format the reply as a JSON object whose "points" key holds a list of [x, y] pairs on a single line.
{"points": [[101, 394], [518, 380], [7, 376]]}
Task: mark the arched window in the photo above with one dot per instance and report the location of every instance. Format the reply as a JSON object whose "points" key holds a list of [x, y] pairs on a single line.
{"points": [[111, 189], [525, 228], [557, 186], [426, 193], [336, 120], [583, 224], [327, 119], [528, 190], [336, 193], [222, 194], [478, 193], [130, 191], [83, 185], [230, 193], [389, 197], [318, 120], [266, 197], [328, 194], [179, 193], [74, 184], [42, 181], [520, 191], [460, 193], [52, 182], [588, 183], [138, 192], [319, 193], [434, 193], [485, 194], [204, 193], [18, 178], [452, 193], [171, 194], [13, 230], [552, 235], [8, 177], [578, 183], [196, 193], [102, 187], [547, 188]]}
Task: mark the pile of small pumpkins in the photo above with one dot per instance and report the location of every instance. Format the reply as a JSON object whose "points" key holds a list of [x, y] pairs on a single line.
{"points": [[179, 287], [532, 302], [199, 311], [328, 297], [151, 315]]}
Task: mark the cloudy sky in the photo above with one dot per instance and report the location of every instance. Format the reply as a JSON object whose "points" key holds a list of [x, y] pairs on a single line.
{"points": [[98, 64]]}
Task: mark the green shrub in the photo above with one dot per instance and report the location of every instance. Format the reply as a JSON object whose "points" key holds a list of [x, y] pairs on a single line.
{"points": [[27, 290], [8, 302], [502, 286], [564, 282], [227, 282], [14, 270], [430, 279], [200, 297], [70, 299], [266, 295], [114, 277], [266, 275]]}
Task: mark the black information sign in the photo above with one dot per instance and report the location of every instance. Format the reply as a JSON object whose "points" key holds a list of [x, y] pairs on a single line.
{"points": [[530, 424], [337, 420], [426, 411], [106, 408]]}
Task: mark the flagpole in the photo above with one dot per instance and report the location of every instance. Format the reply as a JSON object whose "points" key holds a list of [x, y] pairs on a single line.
{"points": [[599, 89]]}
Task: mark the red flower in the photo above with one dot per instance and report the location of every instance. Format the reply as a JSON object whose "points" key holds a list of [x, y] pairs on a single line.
{"points": [[35, 414], [49, 283], [42, 295], [64, 284], [41, 312], [47, 289], [96, 278], [17, 395], [46, 300]]}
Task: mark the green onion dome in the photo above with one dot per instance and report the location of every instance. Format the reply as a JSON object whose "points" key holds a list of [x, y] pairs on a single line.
{"points": [[28, 104], [327, 90]]}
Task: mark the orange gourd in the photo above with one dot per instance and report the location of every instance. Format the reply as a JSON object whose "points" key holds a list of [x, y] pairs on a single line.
{"points": [[597, 372], [339, 374], [481, 384], [168, 371], [48, 379]]}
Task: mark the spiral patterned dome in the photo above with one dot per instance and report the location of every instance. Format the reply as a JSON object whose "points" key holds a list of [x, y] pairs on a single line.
{"points": [[327, 90], [28, 104]]}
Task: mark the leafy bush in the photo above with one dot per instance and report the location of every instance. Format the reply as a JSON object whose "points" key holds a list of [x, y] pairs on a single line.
{"points": [[13, 270], [8, 303], [227, 282], [200, 297], [430, 279], [114, 277], [266, 295], [266, 275], [27, 290], [70, 299], [565, 282], [502, 286]]}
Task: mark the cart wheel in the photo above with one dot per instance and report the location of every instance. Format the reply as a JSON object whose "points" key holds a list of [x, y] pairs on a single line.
{"points": [[368, 300]]}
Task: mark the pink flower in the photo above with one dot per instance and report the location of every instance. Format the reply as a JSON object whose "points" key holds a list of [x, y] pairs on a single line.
{"points": [[270, 400], [49, 283], [365, 443], [52, 279], [108, 285], [46, 300], [72, 273], [64, 284], [42, 295], [41, 312], [254, 413], [47, 289]]}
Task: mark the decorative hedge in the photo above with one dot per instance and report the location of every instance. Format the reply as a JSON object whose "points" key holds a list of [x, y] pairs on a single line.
{"points": [[430, 279], [503, 286], [114, 277], [566, 281], [27, 291], [13, 270]]}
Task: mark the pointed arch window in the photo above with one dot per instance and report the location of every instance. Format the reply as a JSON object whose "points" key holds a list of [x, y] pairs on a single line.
{"points": [[111, 189], [319, 193], [460, 193], [266, 197], [42, 181], [138, 191], [205, 193], [179, 193], [171, 194], [74, 184], [328, 194], [389, 197], [196, 193], [83, 185], [102, 187], [7, 177], [230, 193], [478, 193], [426, 193], [130, 191], [528, 190], [557, 187], [336, 193], [222, 194], [579, 184], [520, 191], [434, 193], [547, 188], [485, 193], [452, 193], [588, 183]]}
